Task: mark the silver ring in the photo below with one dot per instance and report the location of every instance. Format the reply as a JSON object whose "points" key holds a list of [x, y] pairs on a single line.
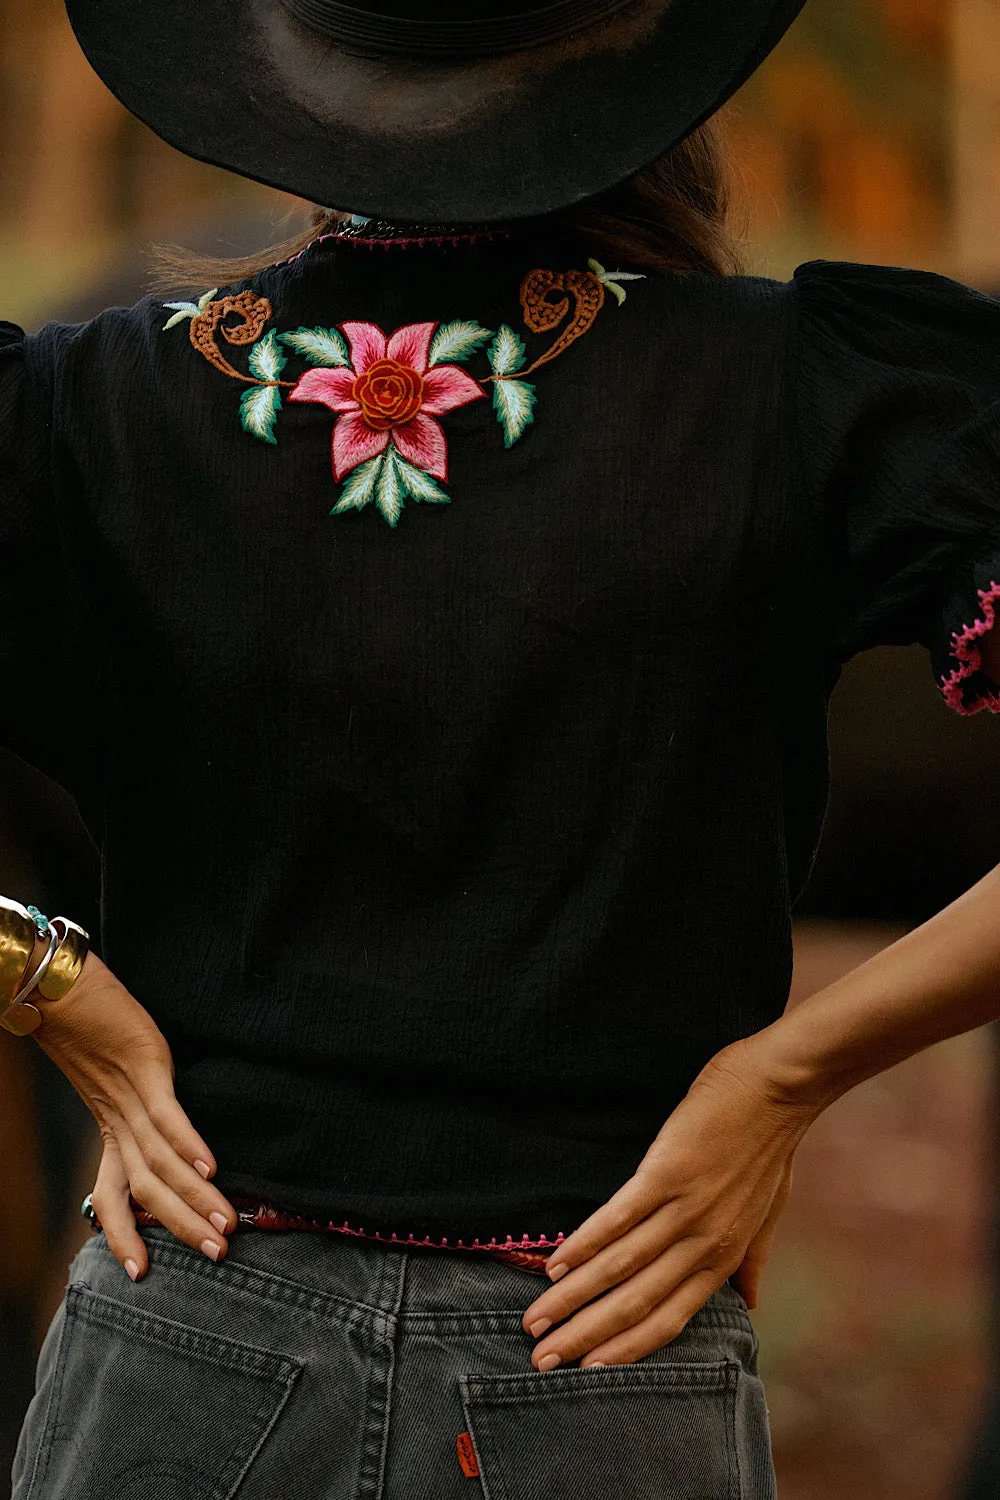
{"points": [[88, 1211]]}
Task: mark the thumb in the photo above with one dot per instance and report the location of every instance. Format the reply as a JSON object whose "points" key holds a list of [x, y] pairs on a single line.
{"points": [[747, 1278]]}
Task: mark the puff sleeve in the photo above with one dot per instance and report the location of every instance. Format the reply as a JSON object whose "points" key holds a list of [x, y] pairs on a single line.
{"points": [[48, 662], [898, 438]]}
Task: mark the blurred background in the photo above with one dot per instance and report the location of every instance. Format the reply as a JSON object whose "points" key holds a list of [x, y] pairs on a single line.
{"points": [[872, 134]]}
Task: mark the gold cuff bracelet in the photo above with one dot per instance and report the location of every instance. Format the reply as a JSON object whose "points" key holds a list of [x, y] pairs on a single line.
{"points": [[67, 961], [17, 944], [57, 973]]}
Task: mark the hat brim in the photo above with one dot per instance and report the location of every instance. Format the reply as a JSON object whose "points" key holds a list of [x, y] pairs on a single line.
{"points": [[247, 87]]}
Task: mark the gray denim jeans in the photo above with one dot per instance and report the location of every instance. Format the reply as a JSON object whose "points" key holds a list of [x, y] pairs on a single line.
{"points": [[314, 1367]]}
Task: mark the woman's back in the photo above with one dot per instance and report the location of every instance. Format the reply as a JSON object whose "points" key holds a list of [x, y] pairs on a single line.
{"points": [[500, 749]]}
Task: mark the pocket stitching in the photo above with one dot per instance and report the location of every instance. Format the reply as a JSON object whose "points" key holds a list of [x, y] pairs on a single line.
{"points": [[265, 1286], [503, 1390], [721, 1376], [266, 1367], [45, 1447], [265, 1434], [89, 1306]]}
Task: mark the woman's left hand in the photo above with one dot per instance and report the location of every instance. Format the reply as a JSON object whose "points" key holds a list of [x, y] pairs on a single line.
{"points": [[701, 1207]]}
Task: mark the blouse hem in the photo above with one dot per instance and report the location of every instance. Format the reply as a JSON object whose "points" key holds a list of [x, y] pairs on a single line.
{"points": [[254, 1214], [273, 1209]]}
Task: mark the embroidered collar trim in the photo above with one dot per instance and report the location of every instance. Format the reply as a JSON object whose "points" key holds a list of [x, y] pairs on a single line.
{"points": [[387, 391]]}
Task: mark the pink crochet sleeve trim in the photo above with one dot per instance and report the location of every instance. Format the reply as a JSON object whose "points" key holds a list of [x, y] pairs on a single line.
{"points": [[965, 650]]}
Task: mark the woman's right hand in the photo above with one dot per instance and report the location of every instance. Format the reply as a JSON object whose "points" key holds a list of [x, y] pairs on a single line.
{"points": [[118, 1060]]}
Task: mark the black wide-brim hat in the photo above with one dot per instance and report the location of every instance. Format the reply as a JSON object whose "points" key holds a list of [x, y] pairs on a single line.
{"points": [[443, 112]]}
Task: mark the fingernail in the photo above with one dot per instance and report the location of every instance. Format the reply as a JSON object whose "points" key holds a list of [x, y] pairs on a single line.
{"points": [[203, 1168], [595, 1364], [211, 1249], [132, 1268], [549, 1361], [554, 1272], [218, 1221], [537, 1329]]}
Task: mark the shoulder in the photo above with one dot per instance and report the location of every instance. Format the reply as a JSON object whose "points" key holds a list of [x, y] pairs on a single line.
{"points": [[825, 298], [749, 298], [112, 348], [122, 348], [892, 310], [748, 318]]}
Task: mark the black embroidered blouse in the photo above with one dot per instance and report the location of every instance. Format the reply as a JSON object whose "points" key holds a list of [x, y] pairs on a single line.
{"points": [[438, 647]]}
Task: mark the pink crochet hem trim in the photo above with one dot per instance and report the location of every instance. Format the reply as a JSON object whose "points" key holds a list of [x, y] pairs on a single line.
{"points": [[966, 652], [443, 1244], [266, 1216]]}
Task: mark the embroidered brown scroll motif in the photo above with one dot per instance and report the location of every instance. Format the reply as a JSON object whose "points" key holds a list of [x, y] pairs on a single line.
{"points": [[541, 314], [252, 314]]}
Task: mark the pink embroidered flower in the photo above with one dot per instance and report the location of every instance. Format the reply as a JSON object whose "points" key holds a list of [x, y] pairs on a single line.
{"points": [[389, 391]]}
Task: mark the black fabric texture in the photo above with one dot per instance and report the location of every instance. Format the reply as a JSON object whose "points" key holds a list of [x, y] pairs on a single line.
{"points": [[446, 854]]}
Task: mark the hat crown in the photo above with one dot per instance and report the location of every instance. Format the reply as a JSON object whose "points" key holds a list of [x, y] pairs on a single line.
{"points": [[484, 28]]}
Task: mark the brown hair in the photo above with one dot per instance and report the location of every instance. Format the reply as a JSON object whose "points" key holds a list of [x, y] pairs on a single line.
{"points": [[671, 216], [674, 215]]}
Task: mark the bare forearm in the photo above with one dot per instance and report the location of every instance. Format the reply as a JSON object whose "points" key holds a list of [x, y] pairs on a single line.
{"points": [[941, 979]]}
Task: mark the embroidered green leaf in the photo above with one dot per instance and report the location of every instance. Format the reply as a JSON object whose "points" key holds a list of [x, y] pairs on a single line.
{"points": [[266, 358], [389, 490], [457, 341], [388, 480], [321, 346], [514, 403], [359, 486], [182, 310], [259, 408], [610, 279], [506, 352], [418, 484]]}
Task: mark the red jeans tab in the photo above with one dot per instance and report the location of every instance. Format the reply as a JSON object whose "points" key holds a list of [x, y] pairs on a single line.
{"points": [[467, 1455]]}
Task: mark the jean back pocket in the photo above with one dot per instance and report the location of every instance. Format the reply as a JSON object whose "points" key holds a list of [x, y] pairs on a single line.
{"points": [[585, 1434], [142, 1406]]}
